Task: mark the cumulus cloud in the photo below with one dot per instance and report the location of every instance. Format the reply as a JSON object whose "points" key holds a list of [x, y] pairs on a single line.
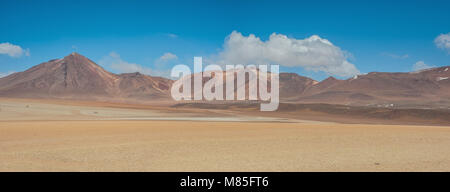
{"points": [[443, 42], [420, 65], [13, 50], [118, 65], [313, 53]]}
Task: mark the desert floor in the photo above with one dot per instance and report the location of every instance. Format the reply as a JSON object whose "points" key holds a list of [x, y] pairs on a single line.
{"points": [[57, 136]]}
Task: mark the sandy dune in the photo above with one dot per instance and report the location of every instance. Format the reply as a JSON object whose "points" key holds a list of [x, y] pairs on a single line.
{"points": [[57, 137]]}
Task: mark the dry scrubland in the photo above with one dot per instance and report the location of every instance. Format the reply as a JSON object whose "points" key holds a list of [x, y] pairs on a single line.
{"points": [[56, 136]]}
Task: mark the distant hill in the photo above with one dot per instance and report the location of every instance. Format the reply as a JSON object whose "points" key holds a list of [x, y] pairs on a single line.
{"points": [[428, 87]]}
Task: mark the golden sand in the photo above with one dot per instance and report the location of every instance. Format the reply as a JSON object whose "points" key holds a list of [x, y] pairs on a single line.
{"points": [[220, 146], [76, 138]]}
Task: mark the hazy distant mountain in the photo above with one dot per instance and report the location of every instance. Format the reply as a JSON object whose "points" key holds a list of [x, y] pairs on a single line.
{"points": [[77, 77]]}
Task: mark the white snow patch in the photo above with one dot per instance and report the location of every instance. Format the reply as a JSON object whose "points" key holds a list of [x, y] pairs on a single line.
{"points": [[441, 78], [446, 69], [420, 71]]}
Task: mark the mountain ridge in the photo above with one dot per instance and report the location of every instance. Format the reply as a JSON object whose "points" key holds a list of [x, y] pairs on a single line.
{"points": [[77, 77]]}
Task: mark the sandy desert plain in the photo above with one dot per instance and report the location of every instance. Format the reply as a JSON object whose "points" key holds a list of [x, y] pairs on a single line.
{"points": [[58, 135]]}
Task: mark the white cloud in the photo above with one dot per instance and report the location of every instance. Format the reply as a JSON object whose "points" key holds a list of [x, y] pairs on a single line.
{"points": [[420, 65], [171, 35], [168, 56], [165, 59], [13, 50], [443, 42], [118, 65], [313, 53]]}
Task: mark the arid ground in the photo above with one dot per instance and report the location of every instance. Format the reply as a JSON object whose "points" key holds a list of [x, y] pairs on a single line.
{"points": [[88, 136]]}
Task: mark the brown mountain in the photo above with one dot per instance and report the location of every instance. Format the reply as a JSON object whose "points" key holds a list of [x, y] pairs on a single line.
{"points": [[425, 87], [293, 85], [77, 77]]}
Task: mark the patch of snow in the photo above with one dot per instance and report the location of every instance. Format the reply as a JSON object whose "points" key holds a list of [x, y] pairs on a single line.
{"points": [[420, 71], [58, 60], [385, 105], [446, 69], [441, 78], [355, 77]]}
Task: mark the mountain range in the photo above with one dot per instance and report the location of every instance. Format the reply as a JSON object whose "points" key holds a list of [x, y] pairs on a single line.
{"points": [[77, 77]]}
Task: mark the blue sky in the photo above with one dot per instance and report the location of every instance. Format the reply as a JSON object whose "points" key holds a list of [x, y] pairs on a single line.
{"points": [[373, 35]]}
